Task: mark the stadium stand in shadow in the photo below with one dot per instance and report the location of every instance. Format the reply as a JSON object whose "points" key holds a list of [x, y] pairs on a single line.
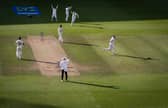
{"points": [[101, 11], [91, 84], [135, 57], [4, 102], [83, 44], [32, 60]]}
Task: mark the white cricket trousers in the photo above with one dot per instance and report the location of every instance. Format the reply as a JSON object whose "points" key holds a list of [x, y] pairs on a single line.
{"points": [[19, 52], [73, 20], [60, 37], [67, 17]]}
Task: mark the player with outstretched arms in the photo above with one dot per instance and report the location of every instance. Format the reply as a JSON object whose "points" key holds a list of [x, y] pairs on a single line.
{"points": [[54, 13]]}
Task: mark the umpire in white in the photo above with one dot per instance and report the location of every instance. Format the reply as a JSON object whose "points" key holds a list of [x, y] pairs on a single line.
{"points": [[64, 68]]}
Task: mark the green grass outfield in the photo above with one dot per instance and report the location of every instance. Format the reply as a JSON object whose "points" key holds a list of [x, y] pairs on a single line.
{"points": [[125, 80]]}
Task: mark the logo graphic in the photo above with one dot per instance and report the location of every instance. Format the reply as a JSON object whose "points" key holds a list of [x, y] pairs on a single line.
{"points": [[26, 10]]}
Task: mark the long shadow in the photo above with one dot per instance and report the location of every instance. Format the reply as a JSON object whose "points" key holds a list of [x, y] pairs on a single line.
{"points": [[90, 26], [83, 44], [32, 60], [96, 85], [136, 57]]}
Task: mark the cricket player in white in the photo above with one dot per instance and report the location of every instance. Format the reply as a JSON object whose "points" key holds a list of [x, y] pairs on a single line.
{"points": [[19, 44], [54, 13], [64, 68], [111, 44], [60, 32], [67, 9], [74, 16]]}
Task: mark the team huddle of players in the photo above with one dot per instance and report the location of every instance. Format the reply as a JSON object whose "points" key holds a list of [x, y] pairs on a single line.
{"points": [[75, 15]]}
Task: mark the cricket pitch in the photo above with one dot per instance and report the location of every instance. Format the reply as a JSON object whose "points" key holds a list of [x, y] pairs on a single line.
{"points": [[48, 52]]}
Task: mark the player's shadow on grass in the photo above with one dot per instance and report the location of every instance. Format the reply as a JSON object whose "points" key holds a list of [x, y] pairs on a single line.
{"points": [[32, 60], [86, 23], [90, 26], [135, 57], [83, 44], [96, 85]]}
